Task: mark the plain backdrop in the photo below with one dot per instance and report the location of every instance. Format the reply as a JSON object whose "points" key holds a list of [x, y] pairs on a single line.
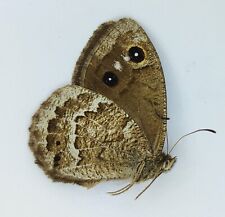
{"points": [[40, 42]]}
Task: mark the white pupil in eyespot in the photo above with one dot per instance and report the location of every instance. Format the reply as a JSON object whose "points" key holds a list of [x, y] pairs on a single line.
{"points": [[136, 54]]}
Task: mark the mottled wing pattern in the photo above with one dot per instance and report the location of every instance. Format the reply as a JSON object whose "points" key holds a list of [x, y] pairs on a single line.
{"points": [[141, 90], [83, 137]]}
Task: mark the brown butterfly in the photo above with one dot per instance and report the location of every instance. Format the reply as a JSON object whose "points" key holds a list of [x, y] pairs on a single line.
{"points": [[111, 122]]}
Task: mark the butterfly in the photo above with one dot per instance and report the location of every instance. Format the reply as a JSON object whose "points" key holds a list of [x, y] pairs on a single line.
{"points": [[110, 123]]}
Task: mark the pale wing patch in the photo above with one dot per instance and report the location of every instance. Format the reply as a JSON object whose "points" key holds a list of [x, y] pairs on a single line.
{"points": [[117, 65], [127, 129], [126, 58]]}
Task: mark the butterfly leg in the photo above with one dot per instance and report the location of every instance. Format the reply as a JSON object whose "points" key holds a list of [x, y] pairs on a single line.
{"points": [[122, 190], [135, 179]]}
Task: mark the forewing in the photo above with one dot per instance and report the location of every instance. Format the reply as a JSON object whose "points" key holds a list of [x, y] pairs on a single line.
{"points": [[141, 90]]}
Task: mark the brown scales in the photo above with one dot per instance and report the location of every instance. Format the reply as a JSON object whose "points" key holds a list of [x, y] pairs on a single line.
{"points": [[79, 136]]}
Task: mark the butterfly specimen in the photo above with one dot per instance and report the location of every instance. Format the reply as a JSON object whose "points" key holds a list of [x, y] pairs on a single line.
{"points": [[110, 123]]}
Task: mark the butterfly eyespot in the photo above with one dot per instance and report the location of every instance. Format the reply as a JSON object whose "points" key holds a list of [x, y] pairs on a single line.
{"points": [[110, 79], [136, 54], [57, 143], [57, 158]]}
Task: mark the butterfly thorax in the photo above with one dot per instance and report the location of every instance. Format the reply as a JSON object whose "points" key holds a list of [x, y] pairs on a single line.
{"points": [[154, 167]]}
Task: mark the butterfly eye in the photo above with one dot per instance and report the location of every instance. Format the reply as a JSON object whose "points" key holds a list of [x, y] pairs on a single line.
{"points": [[110, 79], [166, 165], [136, 54]]}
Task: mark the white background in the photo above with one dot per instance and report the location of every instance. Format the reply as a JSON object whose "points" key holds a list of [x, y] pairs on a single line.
{"points": [[39, 44]]}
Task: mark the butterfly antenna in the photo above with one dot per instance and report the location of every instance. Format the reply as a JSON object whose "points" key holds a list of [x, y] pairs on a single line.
{"points": [[147, 186], [209, 130]]}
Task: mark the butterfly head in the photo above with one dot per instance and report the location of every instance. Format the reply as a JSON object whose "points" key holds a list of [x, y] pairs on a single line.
{"points": [[154, 167], [161, 164]]}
